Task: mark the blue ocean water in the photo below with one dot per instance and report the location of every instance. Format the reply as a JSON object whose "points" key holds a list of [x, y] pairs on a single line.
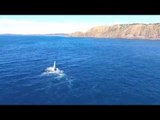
{"points": [[97, 71]]}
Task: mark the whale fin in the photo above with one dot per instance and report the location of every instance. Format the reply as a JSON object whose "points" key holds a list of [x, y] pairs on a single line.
{"points": [[54, 65]]}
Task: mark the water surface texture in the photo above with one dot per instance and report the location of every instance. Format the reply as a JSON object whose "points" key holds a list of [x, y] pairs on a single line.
{"points": [[96, 71]]}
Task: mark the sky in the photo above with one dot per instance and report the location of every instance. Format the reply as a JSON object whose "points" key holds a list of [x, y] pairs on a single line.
{"points": [[48, 24]]}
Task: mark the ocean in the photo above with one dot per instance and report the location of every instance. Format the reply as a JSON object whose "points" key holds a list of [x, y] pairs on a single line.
{"points": [[96, 71]]}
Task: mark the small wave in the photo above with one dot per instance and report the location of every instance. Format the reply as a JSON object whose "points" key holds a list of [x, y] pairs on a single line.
{"points": [[50, 71], [57, 75]]}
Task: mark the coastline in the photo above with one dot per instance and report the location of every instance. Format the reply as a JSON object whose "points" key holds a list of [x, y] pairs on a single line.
{"points": [[127, 38], [153, 39]]}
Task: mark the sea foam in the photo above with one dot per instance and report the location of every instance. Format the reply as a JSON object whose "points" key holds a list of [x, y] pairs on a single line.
{"points": [[50, 71]]}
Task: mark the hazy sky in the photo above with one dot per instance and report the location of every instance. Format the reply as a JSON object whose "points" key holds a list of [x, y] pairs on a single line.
{"points": [[45, 24]]}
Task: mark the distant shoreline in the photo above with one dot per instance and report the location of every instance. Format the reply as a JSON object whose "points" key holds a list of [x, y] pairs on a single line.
{"points": [[37, 34], [126, 31], [153, 39], [117, 38]]}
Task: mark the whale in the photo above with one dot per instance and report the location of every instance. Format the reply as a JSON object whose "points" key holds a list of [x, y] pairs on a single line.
{"points": [[53, 69]]}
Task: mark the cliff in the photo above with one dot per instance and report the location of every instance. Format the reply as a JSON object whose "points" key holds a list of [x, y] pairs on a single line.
{"points": [[130, 31]]}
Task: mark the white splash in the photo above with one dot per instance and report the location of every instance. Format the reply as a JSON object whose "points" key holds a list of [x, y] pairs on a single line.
{"points": [[53, 70]]}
